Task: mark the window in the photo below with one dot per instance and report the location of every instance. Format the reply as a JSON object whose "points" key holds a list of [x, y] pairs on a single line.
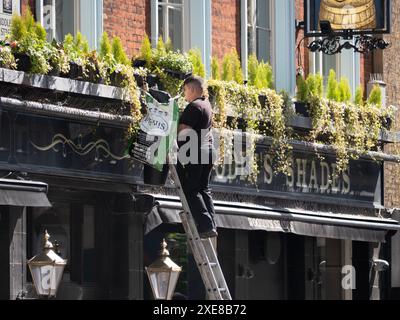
{"points": [[259, 29], [267, 30], [60, 17], [186, 22], [171, 21]]}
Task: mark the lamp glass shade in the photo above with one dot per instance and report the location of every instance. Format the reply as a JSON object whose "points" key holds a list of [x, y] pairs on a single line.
{"points": [[46, 278]]}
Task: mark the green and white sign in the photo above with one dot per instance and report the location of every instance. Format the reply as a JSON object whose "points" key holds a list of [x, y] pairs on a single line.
{"points": [[158, 131]]}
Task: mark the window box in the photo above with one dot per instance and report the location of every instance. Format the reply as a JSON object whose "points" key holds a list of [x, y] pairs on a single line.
{"points": [[177, 74], [138, 63], [301, 108], [23, 62]]}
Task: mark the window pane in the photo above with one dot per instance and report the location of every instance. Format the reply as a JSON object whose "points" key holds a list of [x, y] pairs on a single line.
{"points": [[328, 63], [263, 14], [175, 27], [64, 18], [249, 12], [160, 21], [263, 45]]}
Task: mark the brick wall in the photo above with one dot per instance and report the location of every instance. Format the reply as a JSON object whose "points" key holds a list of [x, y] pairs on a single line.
{"points": [[225, 27], [28, 3], [391, 73], [302, 53], [128, 20]]}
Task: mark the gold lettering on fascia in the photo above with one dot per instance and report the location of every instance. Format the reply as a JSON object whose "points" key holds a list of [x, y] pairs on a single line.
{"points": [[311, 176]]}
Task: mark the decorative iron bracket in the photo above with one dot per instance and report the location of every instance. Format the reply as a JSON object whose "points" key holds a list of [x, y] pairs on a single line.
{"points": [[334, 44]]}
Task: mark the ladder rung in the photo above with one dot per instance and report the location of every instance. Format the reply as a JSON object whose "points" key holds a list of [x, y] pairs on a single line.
{"points": [[222, 289], [212, 264]]}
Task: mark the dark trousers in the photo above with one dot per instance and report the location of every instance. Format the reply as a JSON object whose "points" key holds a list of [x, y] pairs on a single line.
{"points": [[195, 184]]}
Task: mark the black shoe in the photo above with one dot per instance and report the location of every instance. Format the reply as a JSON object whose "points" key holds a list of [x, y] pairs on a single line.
{"points": [[209, 234]]}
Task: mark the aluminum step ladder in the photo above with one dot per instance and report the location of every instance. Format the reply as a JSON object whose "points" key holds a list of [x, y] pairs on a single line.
{"points": [[202, 249]]}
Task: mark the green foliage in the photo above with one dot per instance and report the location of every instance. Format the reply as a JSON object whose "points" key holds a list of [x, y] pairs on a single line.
{"points": [[375, 96], [105, 46], [231, 68], [259, 73], [81, 44], [227, 72], [18, 28], [161, 49], [252, 66], [145, 51], [168, 45], [195, 58], [215, 69], [174, 61], [302, 89], [359, 97], [319, 90], [29, 38], [237, 68], [76, 49], [264, 77], [344, 90], [332, 86], [7, 59], [29, 21], [119, 52], [315, 85], [40, 32]]}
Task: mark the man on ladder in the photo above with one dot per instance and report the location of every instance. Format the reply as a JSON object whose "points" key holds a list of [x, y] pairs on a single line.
{"points": [[194, 167]]}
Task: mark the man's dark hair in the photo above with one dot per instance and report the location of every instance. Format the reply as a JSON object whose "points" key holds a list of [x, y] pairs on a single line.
{"points": [[197, 82]]}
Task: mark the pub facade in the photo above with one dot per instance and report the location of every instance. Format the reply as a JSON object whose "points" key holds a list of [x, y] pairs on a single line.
{"points": [[313, 234]]}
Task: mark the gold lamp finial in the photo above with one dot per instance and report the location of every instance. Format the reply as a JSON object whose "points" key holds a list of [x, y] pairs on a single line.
{"points": [[164, 252], [47, 244]]}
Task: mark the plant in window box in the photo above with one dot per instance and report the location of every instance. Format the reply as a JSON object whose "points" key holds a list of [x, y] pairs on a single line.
{"points": [[388, 116], [195, 59], [122, 68], [58, 60], [106, 57], [29, 45], [93, 68], [171, 69], [231, 68], [77, 61], [302, 95], [19, 31], [175, 64], [358, 97], [140, 75], [259, 73], [375, 99], [145, 58], [332, 88], [7, 59], [215, 69], [344, 91]]}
